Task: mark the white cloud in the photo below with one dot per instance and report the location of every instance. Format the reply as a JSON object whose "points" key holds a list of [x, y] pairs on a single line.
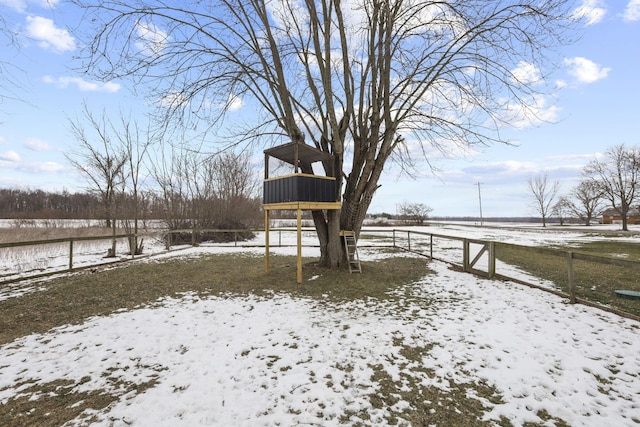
{"points": [[36, 144], [526, 73], [536, 111], [10, 156], [632, 11], [234, 103], [49, 37], [22, 5], [567, 158], [173, 99], [151, 40], [3, 141], [592, 11], [585, 70], [507, 168], [82, 85], [44, 167]]}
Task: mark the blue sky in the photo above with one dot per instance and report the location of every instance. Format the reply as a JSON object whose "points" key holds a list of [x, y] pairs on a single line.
{"points": [[597, 107]]}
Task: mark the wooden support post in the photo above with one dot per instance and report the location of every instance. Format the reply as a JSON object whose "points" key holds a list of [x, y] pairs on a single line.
{"points": [[299, 223], [266, 240], [430, 246], [570, 279], [70, 254], [465, 255], [492, 259]]}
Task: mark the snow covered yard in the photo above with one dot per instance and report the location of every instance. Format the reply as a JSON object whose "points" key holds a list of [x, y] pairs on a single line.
{"points": [[449, 349]]}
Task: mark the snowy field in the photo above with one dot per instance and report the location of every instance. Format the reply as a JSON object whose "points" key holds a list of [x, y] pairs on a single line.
{"points": [[280, 360]]}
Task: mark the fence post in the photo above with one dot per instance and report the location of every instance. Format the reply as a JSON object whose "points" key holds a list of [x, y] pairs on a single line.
{"points": [[394, 237], [465, 255], [430, 246], [492, 259], [70, 254], [409, 239], [570, 279]]}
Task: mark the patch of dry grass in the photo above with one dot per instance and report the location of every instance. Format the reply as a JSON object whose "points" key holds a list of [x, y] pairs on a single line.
{"points": [[60, 401], [593, 281], [27, 234]]}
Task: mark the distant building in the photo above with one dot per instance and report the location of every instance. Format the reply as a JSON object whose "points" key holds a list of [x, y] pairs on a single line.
{"points": [[611, 216]]}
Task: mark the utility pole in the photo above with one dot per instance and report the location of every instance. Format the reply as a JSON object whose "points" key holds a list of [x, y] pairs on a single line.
{"points": [[480, 200]]}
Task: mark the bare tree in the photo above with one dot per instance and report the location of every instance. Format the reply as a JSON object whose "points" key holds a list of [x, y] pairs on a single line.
{"points": [[206, 191], [237, 188], [544, 194], [135, 143], [101, 160], [562, 209], [617, 176], [588, 201], [166, 170], [186, 180], [414, 213], [369, 81]]}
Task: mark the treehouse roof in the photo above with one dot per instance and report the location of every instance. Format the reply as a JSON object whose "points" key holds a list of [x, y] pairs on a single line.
{"points": [[295, 154], [293, 151]]}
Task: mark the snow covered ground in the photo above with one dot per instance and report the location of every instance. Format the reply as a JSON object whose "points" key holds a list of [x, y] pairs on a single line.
{"points": [[233, 360]]}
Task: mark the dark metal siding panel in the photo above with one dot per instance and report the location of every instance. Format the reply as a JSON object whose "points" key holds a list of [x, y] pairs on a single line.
{"points": [[299, 189], [267, 192]]}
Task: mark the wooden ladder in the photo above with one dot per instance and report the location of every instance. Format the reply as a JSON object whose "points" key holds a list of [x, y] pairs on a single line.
{"points": [[351, 245]]}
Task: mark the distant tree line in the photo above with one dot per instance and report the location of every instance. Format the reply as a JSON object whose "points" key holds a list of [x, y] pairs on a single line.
{"points": [[39, 204]]}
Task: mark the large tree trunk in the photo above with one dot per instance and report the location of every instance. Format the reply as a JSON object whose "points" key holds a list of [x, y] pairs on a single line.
{"points": [[335, 248], [332, 252], [356, 200], [350, 217], [327, 224]]}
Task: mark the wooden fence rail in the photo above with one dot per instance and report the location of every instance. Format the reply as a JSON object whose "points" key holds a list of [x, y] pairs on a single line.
{"points": [[468, 261], [69, 240], [422, 243]]}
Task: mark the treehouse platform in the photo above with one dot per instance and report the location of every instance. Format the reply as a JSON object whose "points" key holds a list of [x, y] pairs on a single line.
{"points": [[298, 191]]}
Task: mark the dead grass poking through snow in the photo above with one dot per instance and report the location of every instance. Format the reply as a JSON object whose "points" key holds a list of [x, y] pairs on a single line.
{"points": [[72, 299], [26, 234]]}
